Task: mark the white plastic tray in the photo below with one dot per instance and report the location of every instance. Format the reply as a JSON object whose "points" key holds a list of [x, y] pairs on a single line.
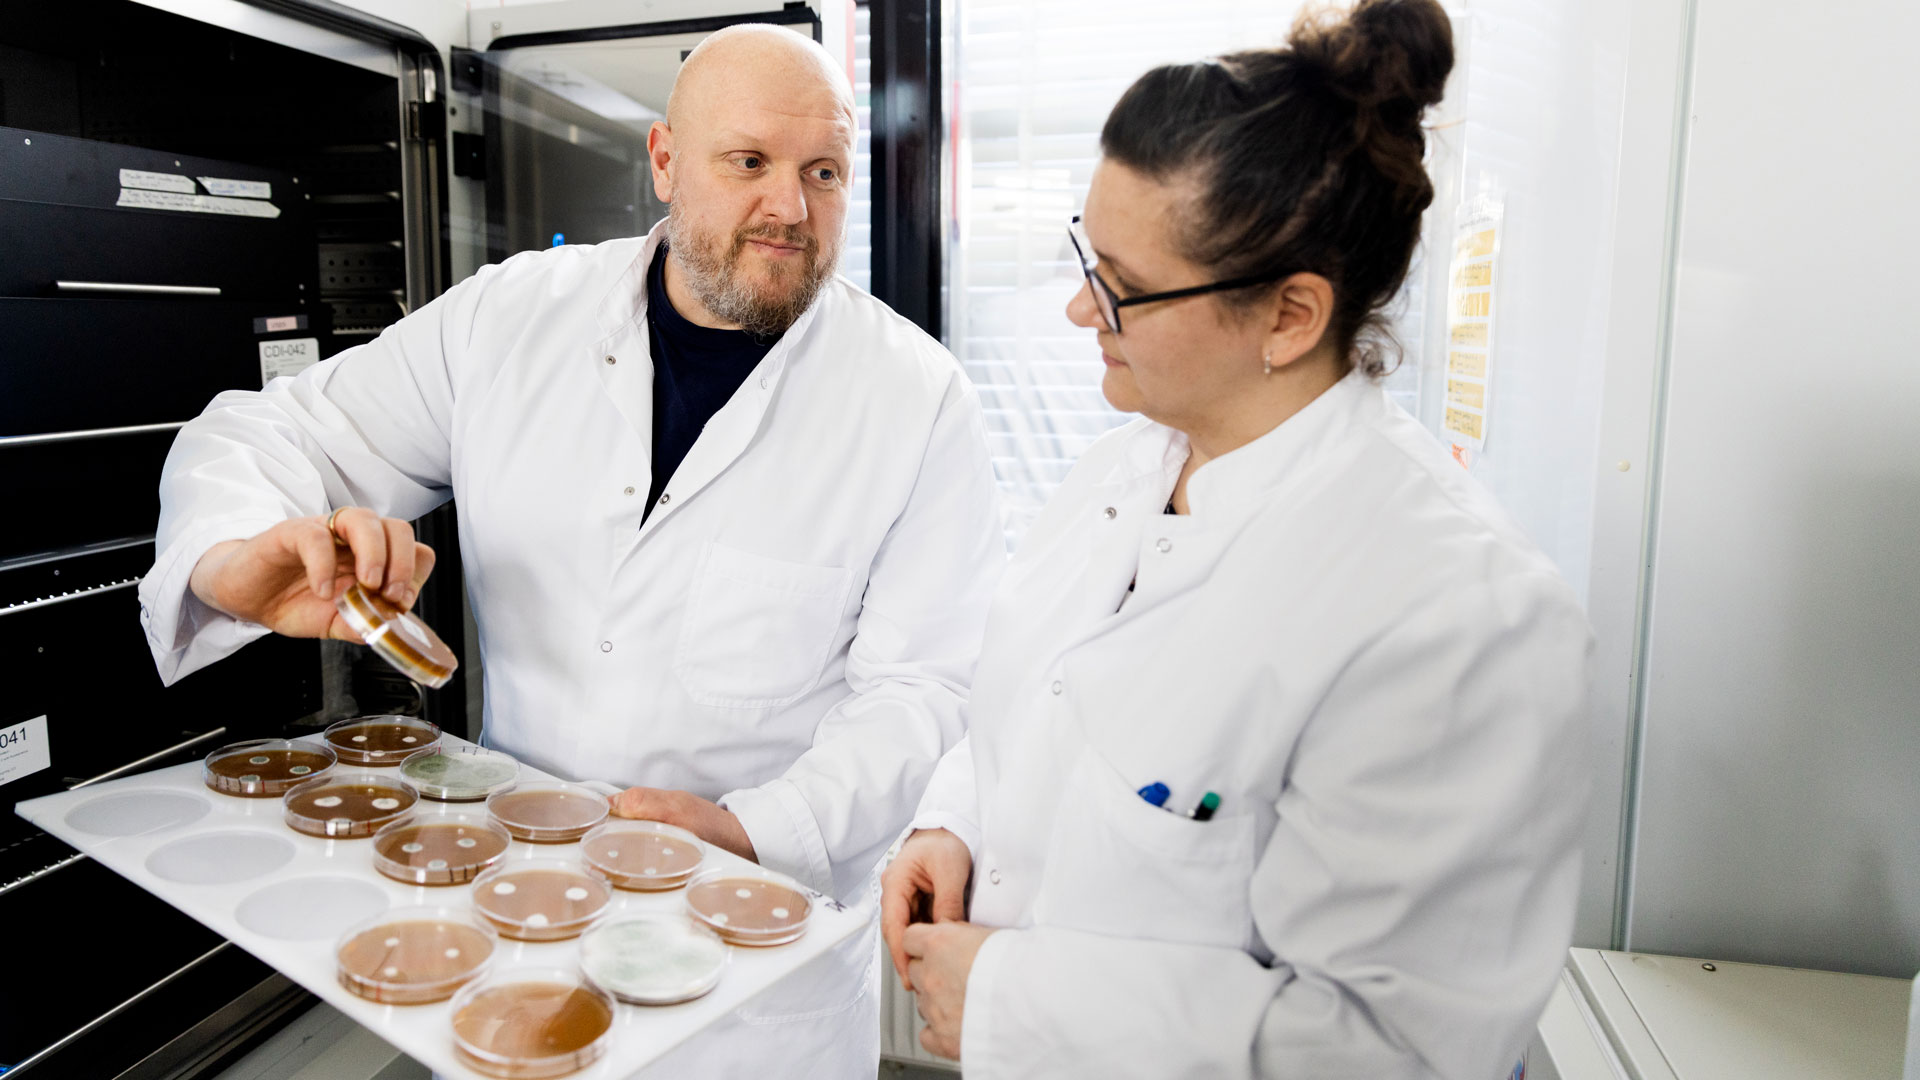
{"points": [[285, 897]]}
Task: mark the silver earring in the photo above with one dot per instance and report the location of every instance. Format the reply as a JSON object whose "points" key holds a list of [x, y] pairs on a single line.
{"points": [[1266, 364]]}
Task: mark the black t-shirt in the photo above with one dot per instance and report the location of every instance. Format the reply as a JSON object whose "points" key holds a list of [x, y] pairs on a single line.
{"points": [[696, 369]]}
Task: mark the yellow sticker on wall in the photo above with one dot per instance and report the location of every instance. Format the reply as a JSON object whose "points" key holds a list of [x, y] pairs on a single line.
{"points": [[1478, 225]]}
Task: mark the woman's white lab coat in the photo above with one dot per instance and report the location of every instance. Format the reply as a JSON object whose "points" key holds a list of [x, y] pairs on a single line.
{"points": [[1384, 683], [791, 631]]}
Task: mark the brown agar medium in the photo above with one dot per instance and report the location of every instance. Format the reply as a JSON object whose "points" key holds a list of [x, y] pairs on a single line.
{"points": [[346, 806], [450, 849], [265, 768], [540, 899], [531, 1022], [750, 906], [398, 636], [411, 956], [459, 773], [379, 742], [548, 813], [644, 856]]}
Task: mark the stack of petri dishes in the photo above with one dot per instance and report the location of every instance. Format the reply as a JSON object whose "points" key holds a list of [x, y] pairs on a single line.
{"points": [[379, 742], [653, 961], [265, 768], [411, 956], [531, 1022], [540, 899], [644, 856], [459, 773], [344, 806], [552, 813], [750, 906], [449, 849]]}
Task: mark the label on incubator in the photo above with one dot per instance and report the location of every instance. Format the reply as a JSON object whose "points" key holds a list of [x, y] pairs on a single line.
{"points": [[289, 357], [24, 750], [239, 189], [157, 181], [279, 324], [141, 199]]}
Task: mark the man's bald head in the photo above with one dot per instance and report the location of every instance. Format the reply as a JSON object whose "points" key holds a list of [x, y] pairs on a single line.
{"points": [[755, 163], [762, 58]]}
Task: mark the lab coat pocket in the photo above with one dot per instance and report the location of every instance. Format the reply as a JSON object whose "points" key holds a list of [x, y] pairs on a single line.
{"points": [[1118, 865], [757, 631]]}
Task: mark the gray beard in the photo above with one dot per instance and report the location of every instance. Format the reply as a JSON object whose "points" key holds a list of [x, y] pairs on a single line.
{"points": [[716, 283]]}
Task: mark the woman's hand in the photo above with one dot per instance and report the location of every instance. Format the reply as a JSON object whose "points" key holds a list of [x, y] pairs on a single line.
{"points": [[940, 959], [927, 882], [703, 818], [287, 577]]}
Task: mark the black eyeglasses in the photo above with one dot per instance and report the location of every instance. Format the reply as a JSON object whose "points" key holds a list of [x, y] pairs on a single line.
{"points": [[1110, 304]]}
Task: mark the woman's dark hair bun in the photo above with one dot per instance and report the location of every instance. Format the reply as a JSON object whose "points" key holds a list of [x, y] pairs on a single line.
{"points": [[1309, 157], [1392, 55]]}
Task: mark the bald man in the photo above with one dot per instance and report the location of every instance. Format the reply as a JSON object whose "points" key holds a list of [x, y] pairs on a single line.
{"points": [[728, 523]]}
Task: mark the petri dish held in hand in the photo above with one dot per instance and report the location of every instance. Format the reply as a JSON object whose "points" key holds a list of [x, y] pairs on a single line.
{"points": [[653, 961], [540, 899], [459, 773], [645, 856], [548, 813], [379, 742], [531, 1022], [750, 905], [400, 637], [346, 806], [411, 956], [448, 850], [265, 768]]}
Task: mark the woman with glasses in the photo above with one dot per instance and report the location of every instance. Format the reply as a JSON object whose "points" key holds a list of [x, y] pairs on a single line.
{"points": [[1275, 763]]}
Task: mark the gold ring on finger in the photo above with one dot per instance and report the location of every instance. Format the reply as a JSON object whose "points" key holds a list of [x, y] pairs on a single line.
{"points": [[337, 538]]}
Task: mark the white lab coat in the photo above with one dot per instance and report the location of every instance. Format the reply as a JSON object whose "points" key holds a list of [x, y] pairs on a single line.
{"points": [[792, 630], [1349, 643]]}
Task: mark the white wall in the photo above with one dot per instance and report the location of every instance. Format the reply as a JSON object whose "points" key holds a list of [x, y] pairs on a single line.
{"points": [[1778, 803]]}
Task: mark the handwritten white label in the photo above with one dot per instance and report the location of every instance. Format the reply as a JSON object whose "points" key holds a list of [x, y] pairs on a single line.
{"points": [[157, 181], [289, 357], [240, 189], [196, 204], [24, 750]]}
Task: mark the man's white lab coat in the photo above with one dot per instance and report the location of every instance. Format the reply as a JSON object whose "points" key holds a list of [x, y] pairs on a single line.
{"points": [[1384, 683], [792, 630]]}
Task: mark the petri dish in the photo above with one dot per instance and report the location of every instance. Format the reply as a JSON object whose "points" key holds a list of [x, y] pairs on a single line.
{"points": [[653, 961], [750, 905], [400, 638], [531, 1022], [411, 956], [548, 813], [540, 899], [380, 741], [644, 856], [265, 768], [448, 850], [459, 773], [346, 806]]}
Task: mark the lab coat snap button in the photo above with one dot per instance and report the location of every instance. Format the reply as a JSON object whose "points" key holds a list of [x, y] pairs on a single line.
{"points": [[606, 646], [1058, 687], [629, 491], [763, 382], [609, 359], [664, 496], [1111, 513], [1165, 545], [993, 876]]}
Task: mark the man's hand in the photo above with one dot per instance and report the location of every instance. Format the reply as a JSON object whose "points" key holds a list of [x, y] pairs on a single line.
{"points": [[704, 819], [941, 960], [286, 578], [926, 881]]}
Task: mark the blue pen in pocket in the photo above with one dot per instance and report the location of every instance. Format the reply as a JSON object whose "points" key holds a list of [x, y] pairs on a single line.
{"points": [[1155, 793]]}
